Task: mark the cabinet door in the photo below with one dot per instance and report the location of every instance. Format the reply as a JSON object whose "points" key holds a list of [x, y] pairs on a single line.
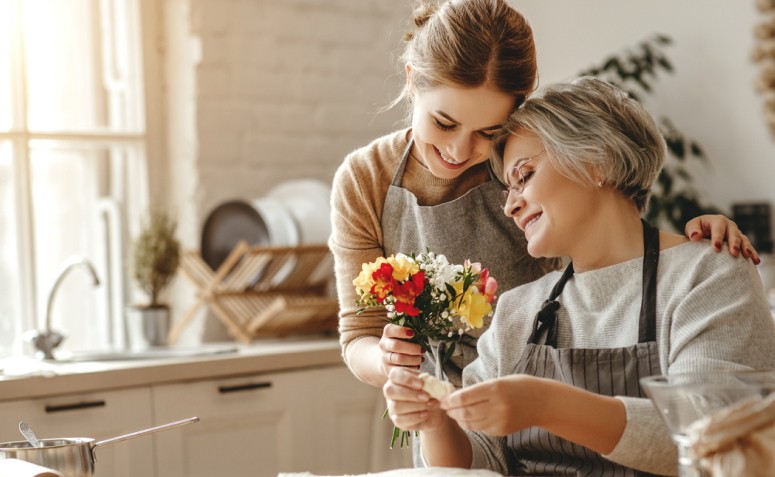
{"points": [[316, 420], [346, 426], [247, 426], [98, 416]]}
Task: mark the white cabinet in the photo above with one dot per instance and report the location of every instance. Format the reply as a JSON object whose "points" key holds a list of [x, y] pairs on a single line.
{"points": [[318, 420], [100, 415]]}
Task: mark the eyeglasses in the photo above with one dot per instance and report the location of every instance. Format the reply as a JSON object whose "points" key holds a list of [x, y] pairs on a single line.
{"points": [[521, 181]]}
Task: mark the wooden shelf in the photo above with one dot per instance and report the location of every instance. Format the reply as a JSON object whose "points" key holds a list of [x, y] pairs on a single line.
{"points": [[263, 291]]}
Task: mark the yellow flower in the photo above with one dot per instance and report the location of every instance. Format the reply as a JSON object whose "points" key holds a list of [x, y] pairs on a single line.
{"points": [[472, 306], [403, 267], [364, 281]]}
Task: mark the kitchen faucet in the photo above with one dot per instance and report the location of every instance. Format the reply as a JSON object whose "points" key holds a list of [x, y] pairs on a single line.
{"points": [[47, 340]]}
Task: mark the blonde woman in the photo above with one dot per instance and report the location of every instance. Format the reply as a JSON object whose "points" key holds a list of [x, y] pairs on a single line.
{"points": [[555, 389]]}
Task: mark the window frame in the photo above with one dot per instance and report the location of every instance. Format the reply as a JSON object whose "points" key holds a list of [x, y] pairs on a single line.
{"points": [[141, 35]]}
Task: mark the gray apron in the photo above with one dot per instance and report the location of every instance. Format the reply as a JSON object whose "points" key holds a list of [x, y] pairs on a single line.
{"points": [[473, 227], [608, 371]]}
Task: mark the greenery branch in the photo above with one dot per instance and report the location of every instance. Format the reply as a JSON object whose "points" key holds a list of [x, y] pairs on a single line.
{"points": [[673, 198]]}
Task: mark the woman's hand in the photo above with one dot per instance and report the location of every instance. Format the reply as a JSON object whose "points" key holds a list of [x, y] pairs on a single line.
{"points": [[720, 229], [410, 408], [396, 351], [498, 407]]}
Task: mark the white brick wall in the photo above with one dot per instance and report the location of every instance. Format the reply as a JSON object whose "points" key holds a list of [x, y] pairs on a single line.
{"points": [[261, 91], [283, 90]]}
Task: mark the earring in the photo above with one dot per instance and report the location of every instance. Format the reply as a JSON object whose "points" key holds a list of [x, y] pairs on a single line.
{"points": [[600, 183]]}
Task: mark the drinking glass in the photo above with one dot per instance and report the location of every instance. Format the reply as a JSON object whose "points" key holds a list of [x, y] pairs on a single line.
{"points": [[682, 399]]}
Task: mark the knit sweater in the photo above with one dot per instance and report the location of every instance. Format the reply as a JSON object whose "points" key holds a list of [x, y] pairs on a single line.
{"points": [[359, 189], [711, 314]]}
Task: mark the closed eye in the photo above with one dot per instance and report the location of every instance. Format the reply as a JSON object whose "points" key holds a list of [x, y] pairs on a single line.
{"points": [[520, 174], [486, 135], [443, 126], [523, 177]]}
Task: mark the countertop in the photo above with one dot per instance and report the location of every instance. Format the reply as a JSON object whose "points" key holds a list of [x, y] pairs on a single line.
{"points": [[261, 356]]}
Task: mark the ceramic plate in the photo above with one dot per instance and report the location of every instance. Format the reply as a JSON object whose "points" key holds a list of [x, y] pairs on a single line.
{"points": [[226, 225], [308, 200]]}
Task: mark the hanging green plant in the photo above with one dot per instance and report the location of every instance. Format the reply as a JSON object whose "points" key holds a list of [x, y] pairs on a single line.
{"points": [[673, 199]]}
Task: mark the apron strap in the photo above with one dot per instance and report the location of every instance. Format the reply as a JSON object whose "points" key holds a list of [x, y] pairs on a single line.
{"points": [[647, 324], [490, 171], [399, 174]]}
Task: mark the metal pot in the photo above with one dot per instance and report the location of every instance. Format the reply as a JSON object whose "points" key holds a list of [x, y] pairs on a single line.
{"points": [[73, 457]]}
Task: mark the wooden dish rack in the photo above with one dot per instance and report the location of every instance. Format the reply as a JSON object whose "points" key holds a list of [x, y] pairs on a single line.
{"points": [[263, 291]]}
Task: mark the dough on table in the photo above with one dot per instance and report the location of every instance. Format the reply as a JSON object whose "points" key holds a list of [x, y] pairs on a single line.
{"points": [[435, 387]]}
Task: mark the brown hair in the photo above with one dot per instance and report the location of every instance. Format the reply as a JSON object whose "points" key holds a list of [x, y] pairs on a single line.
{"points": [[470, 43]]}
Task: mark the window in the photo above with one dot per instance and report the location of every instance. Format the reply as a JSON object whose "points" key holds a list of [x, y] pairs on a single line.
{"points": [[72, 164]]}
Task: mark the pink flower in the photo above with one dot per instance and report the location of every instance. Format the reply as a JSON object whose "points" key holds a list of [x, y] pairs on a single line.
{"points": [[487, 285]]}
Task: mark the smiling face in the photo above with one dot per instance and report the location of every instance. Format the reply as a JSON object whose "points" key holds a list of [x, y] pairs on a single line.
{"points": [[552, 210], [452, 127]]}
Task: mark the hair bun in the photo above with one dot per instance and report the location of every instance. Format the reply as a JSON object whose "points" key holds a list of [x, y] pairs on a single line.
{"points": [[422, 13]]}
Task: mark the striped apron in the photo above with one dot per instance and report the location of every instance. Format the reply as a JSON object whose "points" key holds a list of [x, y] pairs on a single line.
{"points": [[607, 371]]}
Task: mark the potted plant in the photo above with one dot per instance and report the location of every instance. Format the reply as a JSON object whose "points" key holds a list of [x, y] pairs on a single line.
{"points": [[673, 199], [154, 260]]}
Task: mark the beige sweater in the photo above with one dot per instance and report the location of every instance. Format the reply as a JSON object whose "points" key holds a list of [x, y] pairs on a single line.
{"points": [[359, 189]]}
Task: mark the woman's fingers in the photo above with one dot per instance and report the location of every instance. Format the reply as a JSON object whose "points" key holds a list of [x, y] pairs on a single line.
{"points": [[720, 229], [396, 351], [408, 405], [398, 332]]}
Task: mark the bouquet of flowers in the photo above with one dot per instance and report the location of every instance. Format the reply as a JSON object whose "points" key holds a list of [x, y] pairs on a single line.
{"points": [[438, 300]]}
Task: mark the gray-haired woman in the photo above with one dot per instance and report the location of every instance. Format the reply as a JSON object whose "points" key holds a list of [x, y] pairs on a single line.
{"points": [[555, 388]]}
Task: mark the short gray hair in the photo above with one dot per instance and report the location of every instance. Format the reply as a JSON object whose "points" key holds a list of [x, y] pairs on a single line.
{"points": [[590, 125]]}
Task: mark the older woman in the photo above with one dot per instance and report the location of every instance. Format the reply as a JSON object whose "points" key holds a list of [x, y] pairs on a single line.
{"points": [[555, 388]]}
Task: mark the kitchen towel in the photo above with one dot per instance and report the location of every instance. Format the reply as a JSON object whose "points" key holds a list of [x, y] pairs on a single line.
{"points": [[20, 468]]}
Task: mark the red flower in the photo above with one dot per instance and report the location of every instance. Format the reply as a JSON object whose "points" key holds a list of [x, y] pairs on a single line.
{"points": [[405, 294], [383, 282]]}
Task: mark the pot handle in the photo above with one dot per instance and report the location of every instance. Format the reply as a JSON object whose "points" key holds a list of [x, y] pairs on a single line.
{"points": [[151, 430]]}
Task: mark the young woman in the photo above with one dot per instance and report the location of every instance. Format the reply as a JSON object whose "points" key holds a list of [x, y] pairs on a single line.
{"points": [[468, 64], [555, 389]]}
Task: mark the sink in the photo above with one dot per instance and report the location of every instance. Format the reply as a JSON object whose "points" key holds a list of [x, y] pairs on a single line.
{"points": [[161, 352]]}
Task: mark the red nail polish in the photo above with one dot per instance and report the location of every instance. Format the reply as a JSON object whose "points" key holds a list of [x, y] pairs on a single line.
{"points": [[735, 249], [409, 333], [694, 235], [717, 245]]}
